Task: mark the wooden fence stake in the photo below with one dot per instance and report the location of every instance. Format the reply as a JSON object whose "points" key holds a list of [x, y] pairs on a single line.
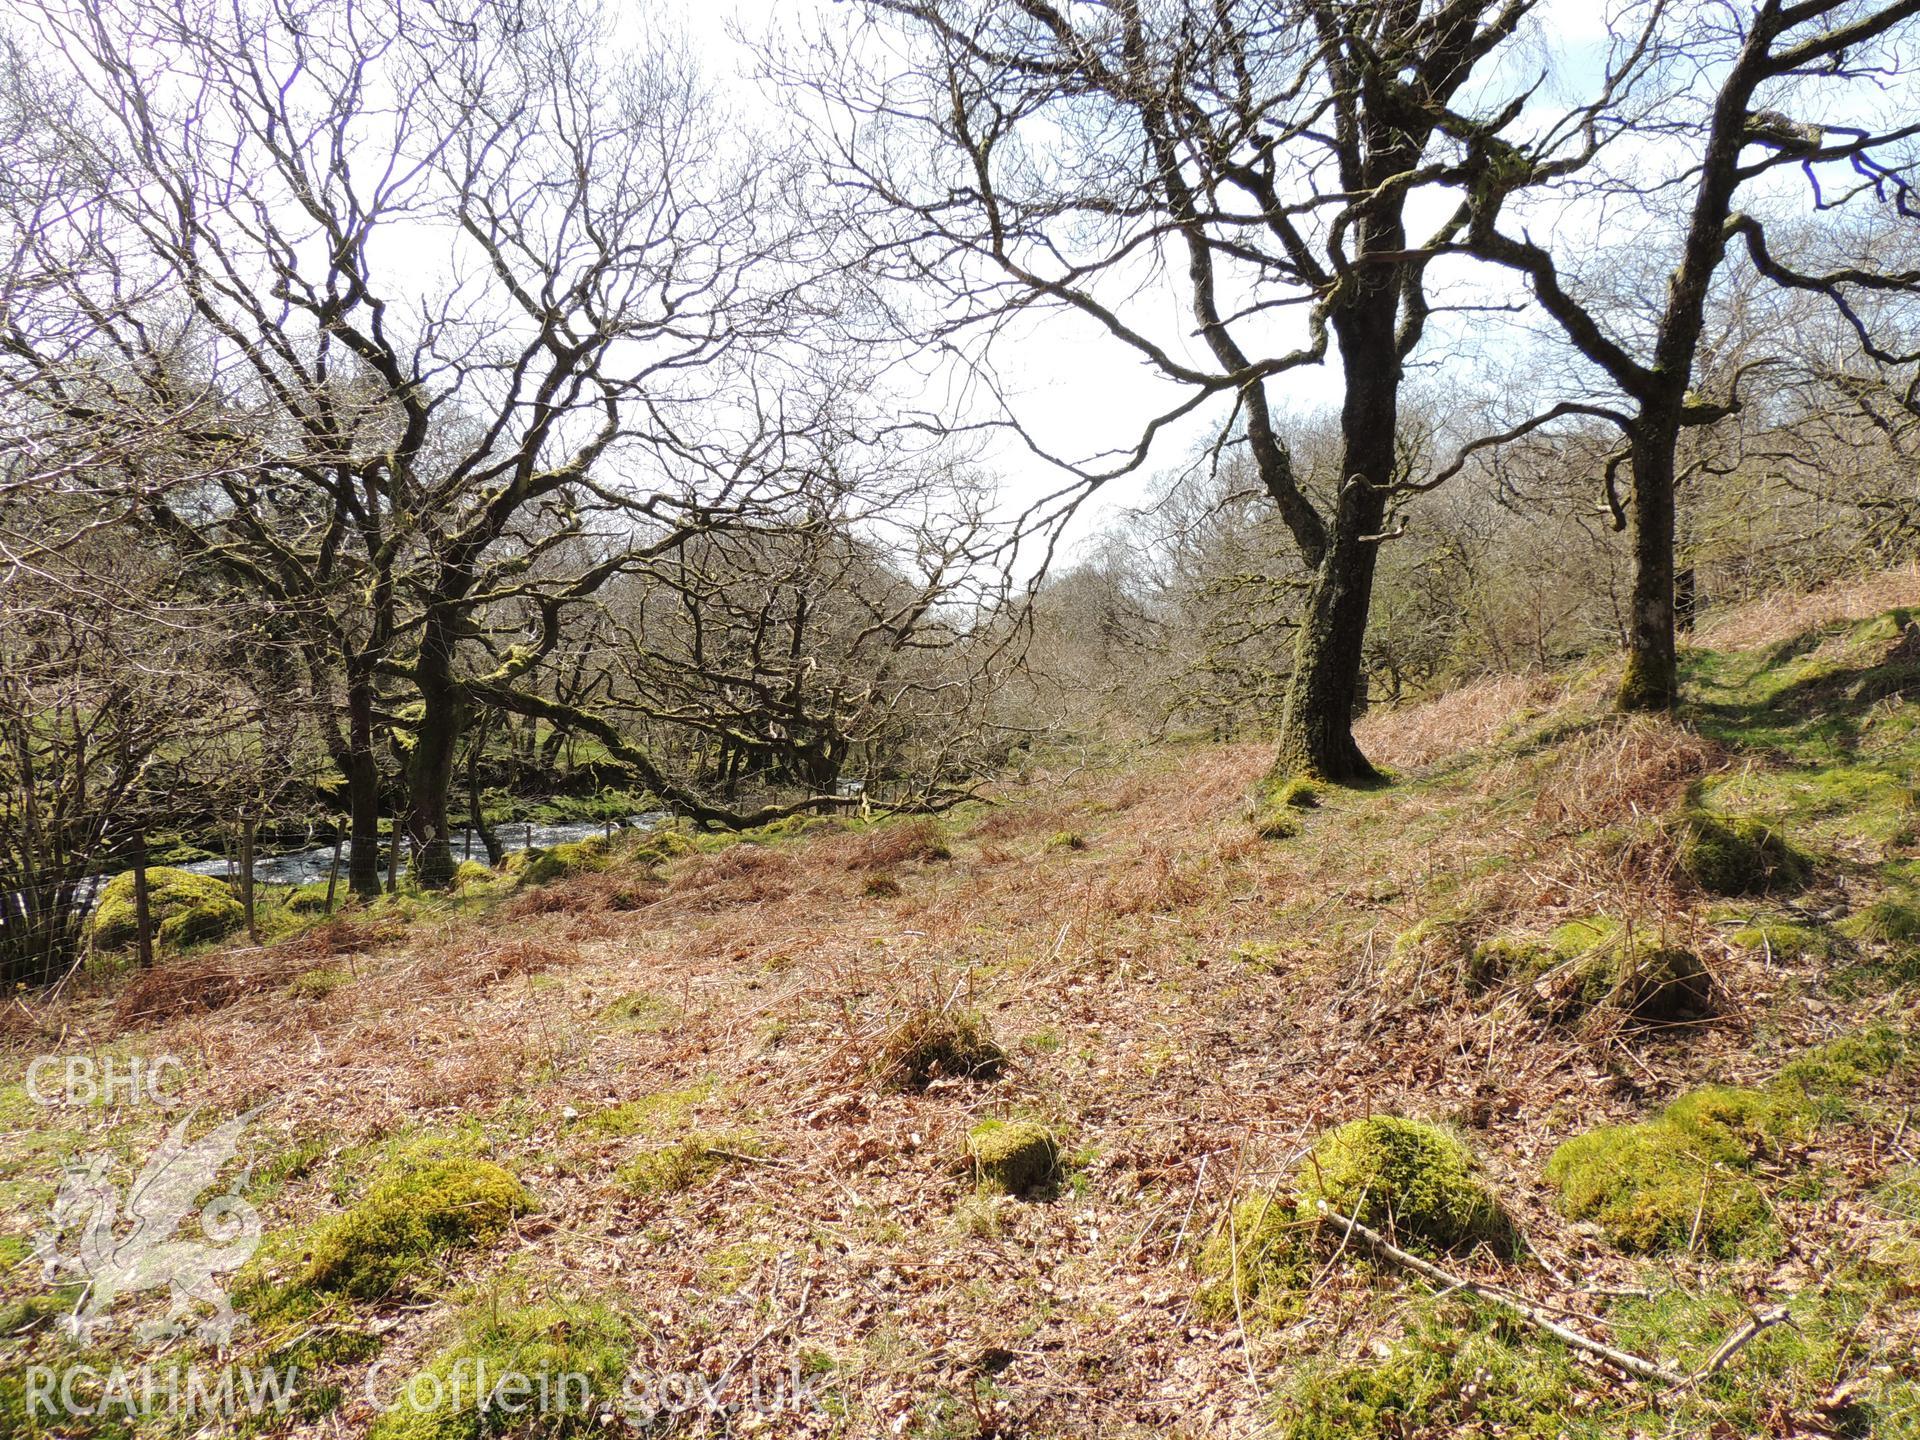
{"points": [[142, 909], [333, 870], [246, 877]]}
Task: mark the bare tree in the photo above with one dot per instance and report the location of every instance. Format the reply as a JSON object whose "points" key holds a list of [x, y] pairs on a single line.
{"points": [[453, 295], [1272, 157], [1717, 82]]}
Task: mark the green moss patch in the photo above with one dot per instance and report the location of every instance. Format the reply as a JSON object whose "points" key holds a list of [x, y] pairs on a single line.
{"points": [[1277, 802], [1462, 1368], [472, 872], [1842, 1067], [318, 984], [582, 1349], [311, 898], [411, 1216], [185, 908], [1413, 1180], [643, 1011], [1785, 940], [1889, 921], [1678, 1181], [685, 1163], [1012, 1157], [1736, 855], [658, 1114]]}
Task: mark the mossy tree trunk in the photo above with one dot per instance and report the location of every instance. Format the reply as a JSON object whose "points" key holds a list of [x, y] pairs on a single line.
{"points": [[1325, 690], [1652, 678]]}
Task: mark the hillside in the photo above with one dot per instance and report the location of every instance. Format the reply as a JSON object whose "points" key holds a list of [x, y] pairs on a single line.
{"points": [[729, 1086]]}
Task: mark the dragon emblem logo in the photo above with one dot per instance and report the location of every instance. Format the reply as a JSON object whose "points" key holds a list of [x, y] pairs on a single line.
{"points": [[115, 1255]]}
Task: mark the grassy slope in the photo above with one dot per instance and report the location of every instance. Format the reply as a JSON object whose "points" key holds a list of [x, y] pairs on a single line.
{"points": [[675, 1059]]}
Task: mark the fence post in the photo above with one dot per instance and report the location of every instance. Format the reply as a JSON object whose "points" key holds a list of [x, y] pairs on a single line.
{"points": [[142, 911], [246, 876], [333, 870]]}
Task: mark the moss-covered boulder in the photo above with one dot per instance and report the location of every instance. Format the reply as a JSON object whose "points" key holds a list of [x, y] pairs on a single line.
{"points": [[472, 872], [556, 862], [1736, 855], [408, 1218], [311, 898], [659, 845], [1012, 1157], [186, 909], [1410, 1179], [1678, 1181]]}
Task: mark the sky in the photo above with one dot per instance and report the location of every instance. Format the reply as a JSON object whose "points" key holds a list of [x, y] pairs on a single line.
{"points": [[1077, 389]]}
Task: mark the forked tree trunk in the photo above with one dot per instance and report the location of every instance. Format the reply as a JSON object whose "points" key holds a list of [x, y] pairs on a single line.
{"points": [[1652, 678]]}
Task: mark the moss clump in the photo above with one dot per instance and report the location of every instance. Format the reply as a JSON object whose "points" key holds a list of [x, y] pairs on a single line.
{"points": [[1461, 1369], [409, 1216], [317, 984], [933, 1043], [1649, 1188], [1587, 964], [556, 862], [657, 1114], [1656, 982], [311, 898], [1277, 803], [185, 908], [1298, 792], [1737, 1125], [1516, 959], [581, 1349], [1012, 1156], [659, 845], [1734, 855], [1067, 840], [1677, 1181], [1255, 1260], [1275, 825], [472, 872], [685, 1163], [1403, 1176]]}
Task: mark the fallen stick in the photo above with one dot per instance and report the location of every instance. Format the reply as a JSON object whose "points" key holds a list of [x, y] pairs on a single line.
{"points": [[1632, 1364], [1739, 1340]]}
